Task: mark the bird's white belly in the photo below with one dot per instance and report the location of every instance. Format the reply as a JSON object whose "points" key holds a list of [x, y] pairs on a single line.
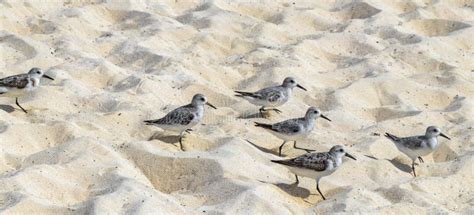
{"points": [[15, 92], [265, 103], [290, 137], [308, 172], [414, 153]]}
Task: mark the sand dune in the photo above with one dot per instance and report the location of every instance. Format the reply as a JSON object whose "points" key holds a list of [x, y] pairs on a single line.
{"points": [[372, 66]]}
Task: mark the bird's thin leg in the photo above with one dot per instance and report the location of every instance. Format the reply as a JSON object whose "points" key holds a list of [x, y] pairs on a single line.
{"points": [[279, 151], [317, 188], [413, 168], [297, 180], [307, 150], [181, 135], [421, 159], [18, 104], [261, 110], [188, 130]]}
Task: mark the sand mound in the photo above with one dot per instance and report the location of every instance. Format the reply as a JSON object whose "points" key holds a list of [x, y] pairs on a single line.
{"points": [[370, 66]]}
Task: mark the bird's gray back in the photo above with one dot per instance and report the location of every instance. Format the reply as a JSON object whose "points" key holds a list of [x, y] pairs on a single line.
{"points": [[314, 161], [272, 94], [413, 142], [289, 126], [15, 81], [179, 116]]}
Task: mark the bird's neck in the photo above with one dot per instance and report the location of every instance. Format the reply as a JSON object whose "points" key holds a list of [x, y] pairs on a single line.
{"points": [[34, 82], [432, 142], [309, 122], [337, 159], [199, 108]]}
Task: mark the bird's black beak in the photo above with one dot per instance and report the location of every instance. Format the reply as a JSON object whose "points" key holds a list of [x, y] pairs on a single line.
{"points": [[326, 118], [48, 77], [210, 105], [350, 156], [443, 135], [301, 87]]}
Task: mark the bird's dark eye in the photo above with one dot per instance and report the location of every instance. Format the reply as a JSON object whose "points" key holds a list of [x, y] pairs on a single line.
{"points": [[38, 72], [292, 81], [341, 150], [316, 112], [436, 130], [202, 99]]}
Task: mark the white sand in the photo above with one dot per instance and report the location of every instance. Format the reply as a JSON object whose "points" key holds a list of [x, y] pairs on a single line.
{"points": [[372, 66]]}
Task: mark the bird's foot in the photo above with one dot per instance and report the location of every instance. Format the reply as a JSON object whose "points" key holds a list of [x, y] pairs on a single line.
{"points": [[276, 110], [421, 159]]}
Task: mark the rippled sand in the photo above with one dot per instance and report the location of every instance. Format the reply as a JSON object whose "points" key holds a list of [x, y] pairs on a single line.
{"points": [[372, 66]]}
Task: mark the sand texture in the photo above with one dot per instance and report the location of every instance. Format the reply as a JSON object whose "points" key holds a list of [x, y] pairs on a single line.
{"points": [[372, 66]]}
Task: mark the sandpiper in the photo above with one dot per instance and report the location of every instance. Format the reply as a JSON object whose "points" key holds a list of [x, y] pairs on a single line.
{"points": [[316, 165], [271, 96], [22, 84], [417, 146], [294, 129], [182, 119]]}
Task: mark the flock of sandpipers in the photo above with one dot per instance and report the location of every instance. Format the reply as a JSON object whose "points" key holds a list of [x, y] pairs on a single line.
{"points": [[313, 165]]}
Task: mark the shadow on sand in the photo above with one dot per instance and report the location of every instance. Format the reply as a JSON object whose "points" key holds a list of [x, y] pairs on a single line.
{"points": [[171, 139], [292, 189], [7, 108], [254, 115], [269, 151], [403, 167]]}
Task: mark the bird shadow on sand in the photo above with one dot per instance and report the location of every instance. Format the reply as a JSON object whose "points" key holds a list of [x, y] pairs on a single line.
{"points": [[253, 116], [274, 151], [292, 189], [172, 139], [7, 108], [401, 166], [270, 151]]}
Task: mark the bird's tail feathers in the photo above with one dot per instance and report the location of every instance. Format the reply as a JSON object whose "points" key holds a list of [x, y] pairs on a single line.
{"points": [[263, 125], [391, 137], [243, 94], [149, 122]]}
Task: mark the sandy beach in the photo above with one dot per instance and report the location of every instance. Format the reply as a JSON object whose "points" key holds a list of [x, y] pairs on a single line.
{"points": [[372, 66]]}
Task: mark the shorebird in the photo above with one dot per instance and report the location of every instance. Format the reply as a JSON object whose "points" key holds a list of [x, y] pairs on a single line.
{"points": [[316, 165], [416, 146], [22, 84], [182, 119], [294, 129], [271, 96]]}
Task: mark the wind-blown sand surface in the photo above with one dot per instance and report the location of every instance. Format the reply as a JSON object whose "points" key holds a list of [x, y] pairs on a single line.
{"points": [[372, 66]]}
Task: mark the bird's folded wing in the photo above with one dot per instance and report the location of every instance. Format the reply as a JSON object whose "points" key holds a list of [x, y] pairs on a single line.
{"points": [[271, 94], [290, 126], [17, 81], [413, 142], [313, 161]]}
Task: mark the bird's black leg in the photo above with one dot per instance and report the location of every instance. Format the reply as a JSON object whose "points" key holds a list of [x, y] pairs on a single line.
{"points": [[297, 180], [307, 150], [279, 151], [18, 104], [421, 159], [261, 110], [317, 188], [413, 168]]}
